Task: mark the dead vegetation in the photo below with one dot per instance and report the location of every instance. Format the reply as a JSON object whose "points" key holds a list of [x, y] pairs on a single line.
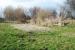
{"points": [[39, 16]]}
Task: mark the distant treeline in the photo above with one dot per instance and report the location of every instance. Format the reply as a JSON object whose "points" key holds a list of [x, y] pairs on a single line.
{"points": [[37, 15]]}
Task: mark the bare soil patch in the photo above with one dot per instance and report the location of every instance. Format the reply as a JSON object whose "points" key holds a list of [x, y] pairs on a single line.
{"points": [[29, 27]]}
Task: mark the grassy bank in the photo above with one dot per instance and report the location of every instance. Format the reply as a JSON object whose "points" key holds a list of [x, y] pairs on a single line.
{"points": [[60, 38]]}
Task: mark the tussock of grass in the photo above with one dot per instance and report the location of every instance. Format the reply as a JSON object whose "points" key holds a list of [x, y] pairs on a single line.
{"points": [[13, 39]]}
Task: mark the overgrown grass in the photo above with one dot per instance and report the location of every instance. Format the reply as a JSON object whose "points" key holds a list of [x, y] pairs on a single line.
{"points": [[60, 38]]}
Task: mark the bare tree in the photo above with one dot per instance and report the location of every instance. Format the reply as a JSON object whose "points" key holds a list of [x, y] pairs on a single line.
{"points": [[42, 16], [9, 13], [71, 7], [34, 12], [46, 17], [71, 3], [21, 15]]}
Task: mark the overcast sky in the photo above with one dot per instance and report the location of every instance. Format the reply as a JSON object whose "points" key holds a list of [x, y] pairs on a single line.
{"points": [[54, 4], [31, 3]]}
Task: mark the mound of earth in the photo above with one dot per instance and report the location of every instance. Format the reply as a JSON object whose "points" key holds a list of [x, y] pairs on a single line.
{"points": [[29, 27]]}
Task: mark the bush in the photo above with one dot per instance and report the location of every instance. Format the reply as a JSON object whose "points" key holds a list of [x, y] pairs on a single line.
{"points": [[1, 20]]}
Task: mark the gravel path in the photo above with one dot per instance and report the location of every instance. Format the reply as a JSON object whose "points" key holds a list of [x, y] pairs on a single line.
{"points": [[29, 27]]}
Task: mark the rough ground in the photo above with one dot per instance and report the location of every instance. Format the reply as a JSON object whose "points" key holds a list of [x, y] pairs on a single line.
{"points": [[29, 27]]}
